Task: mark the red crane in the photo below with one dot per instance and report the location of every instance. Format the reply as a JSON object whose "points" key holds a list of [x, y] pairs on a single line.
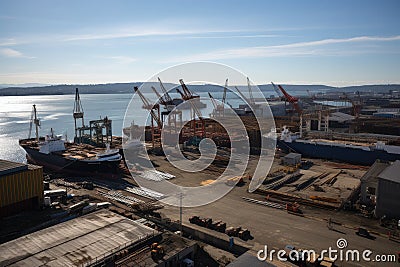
{"points": [[291, 99]]}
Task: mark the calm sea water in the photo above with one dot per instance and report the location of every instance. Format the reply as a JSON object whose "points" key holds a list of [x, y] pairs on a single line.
{"points": [[55, 111]]}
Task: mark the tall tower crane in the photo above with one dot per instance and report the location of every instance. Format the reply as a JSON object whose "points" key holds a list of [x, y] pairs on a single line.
{"points": [[36, 121], [78, 112]]}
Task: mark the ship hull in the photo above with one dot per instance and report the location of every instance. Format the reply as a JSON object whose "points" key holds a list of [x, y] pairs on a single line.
{"points": [[332, 152], [58, 164]]}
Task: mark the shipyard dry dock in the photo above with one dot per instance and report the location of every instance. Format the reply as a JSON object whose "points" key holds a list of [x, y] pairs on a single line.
{"points": [[89, 239]]}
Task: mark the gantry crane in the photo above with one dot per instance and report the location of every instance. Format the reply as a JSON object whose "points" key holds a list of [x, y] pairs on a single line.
{"points": [[154, 110], [169, 111]]}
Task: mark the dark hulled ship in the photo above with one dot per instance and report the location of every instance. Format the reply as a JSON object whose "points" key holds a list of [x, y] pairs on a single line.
{"points": [[88, 155]]}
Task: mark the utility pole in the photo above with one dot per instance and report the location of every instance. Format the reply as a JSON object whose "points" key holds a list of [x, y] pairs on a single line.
{"points": [[180, 213]]}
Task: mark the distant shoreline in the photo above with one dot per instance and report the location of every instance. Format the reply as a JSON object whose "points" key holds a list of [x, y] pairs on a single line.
{"points": [[127, 88]]}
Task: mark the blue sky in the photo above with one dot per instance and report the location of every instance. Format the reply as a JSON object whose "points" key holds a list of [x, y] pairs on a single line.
{"points": [[304, 42]]}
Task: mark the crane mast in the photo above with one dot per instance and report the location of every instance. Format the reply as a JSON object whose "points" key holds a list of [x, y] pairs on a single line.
{"points": [[34, 120]]}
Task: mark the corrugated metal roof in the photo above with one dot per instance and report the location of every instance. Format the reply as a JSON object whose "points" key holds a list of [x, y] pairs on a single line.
{"points": [[340, 117], [374, 171], [7, 167], [74, 242], [392, 173]]}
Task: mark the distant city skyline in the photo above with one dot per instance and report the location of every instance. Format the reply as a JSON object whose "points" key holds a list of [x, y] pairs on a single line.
{"points": [[335, 43]]}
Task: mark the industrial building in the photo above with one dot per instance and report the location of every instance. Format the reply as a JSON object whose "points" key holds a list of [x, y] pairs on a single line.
{"points": [[292, 159], [21, 187], [369, 182], [101, 238], [380, 187], [388, 197]]}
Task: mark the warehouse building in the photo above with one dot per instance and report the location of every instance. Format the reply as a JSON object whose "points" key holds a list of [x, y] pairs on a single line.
{"points": [[21, 187], [369, 182], [291, 159], [380, 187], [388, 197], [101, 238]]}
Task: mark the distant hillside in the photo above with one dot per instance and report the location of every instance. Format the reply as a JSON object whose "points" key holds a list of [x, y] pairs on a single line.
{"points": [[377, 88], [65, 89], [115, 88], [22, 85]]}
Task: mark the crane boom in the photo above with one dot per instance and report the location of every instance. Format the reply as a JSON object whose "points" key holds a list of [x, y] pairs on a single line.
{"points": [[250, 91], [240, 93], [278, 92], [148, 106], [165, 92], [160, 98], [225, 89], [213, 101], [187, 93], [195, 109], [291, 99]]}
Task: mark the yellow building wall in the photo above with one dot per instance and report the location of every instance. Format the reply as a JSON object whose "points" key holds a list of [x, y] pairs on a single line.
{"points": [[21, 186]]}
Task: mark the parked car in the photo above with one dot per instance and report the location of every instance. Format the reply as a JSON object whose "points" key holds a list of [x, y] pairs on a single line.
{"points": [[361, 231]]}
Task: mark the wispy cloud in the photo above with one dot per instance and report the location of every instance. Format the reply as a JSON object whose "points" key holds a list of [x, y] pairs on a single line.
{"points": [[235, 36], [128, 33], [293, 49], [8, 52], [8, 42], [122, 59]]}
